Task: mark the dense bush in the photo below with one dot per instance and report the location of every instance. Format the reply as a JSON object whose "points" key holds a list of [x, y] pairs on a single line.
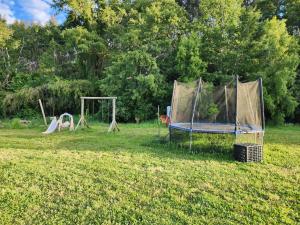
{"points": [[135, 78], [58, 97], [15, 123]]}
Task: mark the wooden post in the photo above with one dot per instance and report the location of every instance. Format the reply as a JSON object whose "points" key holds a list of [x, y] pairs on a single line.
{"points": [[113, 126], [108, 111], [42, 109], [82, 112], [102, 117], [93, 108], [114, 110], [158, 121]]}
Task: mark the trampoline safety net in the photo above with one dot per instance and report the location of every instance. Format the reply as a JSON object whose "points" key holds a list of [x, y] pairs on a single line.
{"points": [[235, 107]]}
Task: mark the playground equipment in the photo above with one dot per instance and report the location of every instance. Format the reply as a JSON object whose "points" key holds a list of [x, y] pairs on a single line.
{"points": [[65, 124], [61, 123], [43, 112], [235, 108], [52, 127], [113, 125]]}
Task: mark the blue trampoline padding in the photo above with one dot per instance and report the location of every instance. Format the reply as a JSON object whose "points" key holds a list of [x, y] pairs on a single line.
{"points": [[215, 128]]}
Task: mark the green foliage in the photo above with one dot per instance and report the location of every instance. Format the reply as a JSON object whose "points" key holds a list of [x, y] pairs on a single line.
{"points": [[292, 16], [58, 96], [220, 28], [278, 63], [189, 63], [223, 15], [26, 80], [91, 52], [82, 10], [212, 110], [15, 123], [5, 33], [269, 8], [107, 42], [191, 6], [135, 78]]}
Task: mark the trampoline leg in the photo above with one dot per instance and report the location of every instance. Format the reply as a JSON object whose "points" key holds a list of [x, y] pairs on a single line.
{"points": [[170, 135], [235, 138], [191, 140]]}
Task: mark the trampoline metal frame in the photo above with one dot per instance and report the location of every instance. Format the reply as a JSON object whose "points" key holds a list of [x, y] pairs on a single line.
{"points": [[240, 130]]}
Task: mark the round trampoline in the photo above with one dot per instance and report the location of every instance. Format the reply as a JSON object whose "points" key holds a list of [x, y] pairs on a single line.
{"points": [[215, 128]]}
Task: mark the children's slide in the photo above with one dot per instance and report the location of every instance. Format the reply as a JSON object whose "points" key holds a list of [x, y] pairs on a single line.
{"points": [[52, 127]]}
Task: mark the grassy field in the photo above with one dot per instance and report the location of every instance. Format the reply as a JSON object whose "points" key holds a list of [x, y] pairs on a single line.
{"points": [[92, 177]]}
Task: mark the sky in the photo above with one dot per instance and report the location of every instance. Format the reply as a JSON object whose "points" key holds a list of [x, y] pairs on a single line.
{"points": [[37, 11]]}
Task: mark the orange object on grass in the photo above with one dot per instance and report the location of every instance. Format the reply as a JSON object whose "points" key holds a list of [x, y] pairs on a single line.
{"points": [[164, 119]]}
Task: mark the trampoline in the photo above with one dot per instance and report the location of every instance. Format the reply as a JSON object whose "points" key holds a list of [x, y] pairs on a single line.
{"points": [[215, 128], [232, 108]]}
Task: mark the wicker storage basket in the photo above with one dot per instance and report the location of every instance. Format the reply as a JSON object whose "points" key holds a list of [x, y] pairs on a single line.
{"points": [[248, 152]]}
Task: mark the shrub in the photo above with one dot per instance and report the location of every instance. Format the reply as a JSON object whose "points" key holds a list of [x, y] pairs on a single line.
{"points": [[16, 124]]}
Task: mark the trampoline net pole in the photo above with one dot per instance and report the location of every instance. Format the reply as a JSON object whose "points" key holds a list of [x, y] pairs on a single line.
{"points": [[172, 105], [262, 104], [193, 113], [262, 110], [236, 106], [226, 103]]}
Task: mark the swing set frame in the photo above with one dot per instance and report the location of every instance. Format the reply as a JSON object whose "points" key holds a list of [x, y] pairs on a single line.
{"points": [[113, 125]]}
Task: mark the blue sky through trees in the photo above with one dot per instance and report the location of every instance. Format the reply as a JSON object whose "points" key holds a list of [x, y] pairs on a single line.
{"points": [[37, 11]]}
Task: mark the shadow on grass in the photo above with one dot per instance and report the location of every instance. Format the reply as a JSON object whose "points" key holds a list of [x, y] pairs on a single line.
{"points": [[197, 152], [144, 143], [204, 146]]}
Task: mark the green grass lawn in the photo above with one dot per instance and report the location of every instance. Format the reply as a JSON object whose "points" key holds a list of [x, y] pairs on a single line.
{"points": [[94, 177]]}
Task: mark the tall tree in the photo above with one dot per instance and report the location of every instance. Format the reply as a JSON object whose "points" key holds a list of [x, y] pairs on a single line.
{"points": [[5, 33], [218, 30], [189, 63], [279, 59], [135, 78]]}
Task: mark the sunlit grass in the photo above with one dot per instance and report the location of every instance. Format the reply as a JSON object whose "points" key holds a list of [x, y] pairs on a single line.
{"points": [[91, 176]]}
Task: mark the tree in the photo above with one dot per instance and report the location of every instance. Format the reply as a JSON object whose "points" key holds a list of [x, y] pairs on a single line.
{"points": [[237, 42], [135, 78], [293, 16], [89, 52], [279, 59], [5, 33], [191, 6], [136, 49], [218, 28], [6, 45], [189, 63], [268, 8]]}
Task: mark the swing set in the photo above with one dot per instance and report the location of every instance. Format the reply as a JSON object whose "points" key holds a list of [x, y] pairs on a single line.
{"points": [[83, 121]]}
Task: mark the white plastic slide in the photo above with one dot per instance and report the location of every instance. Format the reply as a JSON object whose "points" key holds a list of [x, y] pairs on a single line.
{"points": [[52, 127]]}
